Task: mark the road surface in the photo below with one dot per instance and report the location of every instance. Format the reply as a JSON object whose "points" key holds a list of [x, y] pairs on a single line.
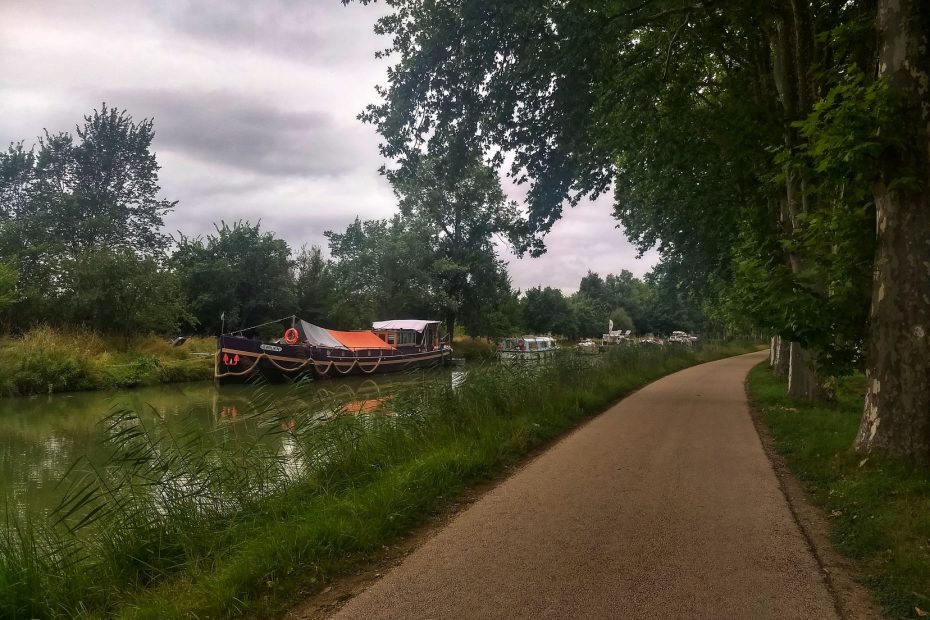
{"points": [[665, 506]]}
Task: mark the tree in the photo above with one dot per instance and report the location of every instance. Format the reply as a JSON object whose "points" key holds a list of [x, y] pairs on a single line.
{"points": [[382, 269], [896, 416], [9, 276], [137, 296], [621, 319], [454, 192], [504, 318], [77, 195], [489, 305], [622, 291], [314, 285], [99, 190], [114, 187], [545, 310], [589, 319], [240, 272]]}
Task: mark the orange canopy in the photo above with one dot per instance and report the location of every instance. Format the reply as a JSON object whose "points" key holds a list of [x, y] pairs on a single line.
{"points": [[359, 340]]}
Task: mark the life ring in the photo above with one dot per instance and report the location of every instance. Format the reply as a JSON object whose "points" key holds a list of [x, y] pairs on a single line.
{"points": [[291, 336]]}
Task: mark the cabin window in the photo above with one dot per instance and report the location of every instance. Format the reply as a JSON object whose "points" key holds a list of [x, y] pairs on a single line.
{"points": [[531, 345], [408, 337], [391, 338]]}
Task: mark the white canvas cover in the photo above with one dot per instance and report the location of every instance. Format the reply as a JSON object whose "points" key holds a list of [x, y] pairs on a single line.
{"points": [[413, 324], [318, 337]]}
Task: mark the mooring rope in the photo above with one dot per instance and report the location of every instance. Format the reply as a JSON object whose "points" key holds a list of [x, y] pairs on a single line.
{"points": [[368, 372], [283, 369], [316, 365], [351, 366], [230, 373]]}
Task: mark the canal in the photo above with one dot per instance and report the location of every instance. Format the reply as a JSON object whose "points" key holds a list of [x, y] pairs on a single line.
{"points": [[42, 437]]}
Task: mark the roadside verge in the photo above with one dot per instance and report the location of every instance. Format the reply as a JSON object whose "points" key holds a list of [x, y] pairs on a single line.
{"points": [[867, 520]]}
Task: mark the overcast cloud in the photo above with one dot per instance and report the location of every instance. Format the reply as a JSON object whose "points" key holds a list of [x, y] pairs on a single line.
{"points": [[255, 108]]}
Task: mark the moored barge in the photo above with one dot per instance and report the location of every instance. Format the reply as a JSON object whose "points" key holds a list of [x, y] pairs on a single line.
{"points": [[308, 350]]}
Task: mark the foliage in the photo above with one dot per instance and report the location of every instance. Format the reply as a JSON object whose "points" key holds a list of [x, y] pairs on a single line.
{"points": [[587, 317], [73, 197], [409, 266], [745, 158], [98, 189], [625, 292], [382, 268], [240, 272], [9, 276], [136, 298], [546, 311], [621, 319], [315, 285], [460, 197], [474, 349], [167, 528], [880, 507]]}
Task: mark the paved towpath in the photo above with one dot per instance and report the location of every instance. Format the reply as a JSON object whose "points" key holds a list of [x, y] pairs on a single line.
{"points": [[665, 506]]}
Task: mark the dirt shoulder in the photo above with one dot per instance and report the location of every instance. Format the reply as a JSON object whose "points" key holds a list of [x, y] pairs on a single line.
{"points": [[851, 598]]}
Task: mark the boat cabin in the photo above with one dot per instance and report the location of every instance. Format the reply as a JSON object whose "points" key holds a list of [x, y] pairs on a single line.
{"points": [[408, 334], [528, 343]]}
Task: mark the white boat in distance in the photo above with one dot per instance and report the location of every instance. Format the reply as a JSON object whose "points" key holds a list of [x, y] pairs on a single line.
{"points": [[527, 347]]}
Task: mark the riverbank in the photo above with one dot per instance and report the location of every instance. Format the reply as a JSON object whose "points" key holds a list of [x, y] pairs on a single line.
{"points": [[879, 509], [235, 531], [46, 360]]}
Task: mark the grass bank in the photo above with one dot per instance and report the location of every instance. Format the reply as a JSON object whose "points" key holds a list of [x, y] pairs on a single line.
{"points": [[879, 508], [46, 360], [167, 529]]}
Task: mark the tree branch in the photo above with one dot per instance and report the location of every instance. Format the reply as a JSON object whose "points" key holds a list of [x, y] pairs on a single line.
{"points": [[668, 53]]}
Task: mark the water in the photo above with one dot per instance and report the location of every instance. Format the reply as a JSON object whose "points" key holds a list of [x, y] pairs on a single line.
{"points": [[41, 437]]}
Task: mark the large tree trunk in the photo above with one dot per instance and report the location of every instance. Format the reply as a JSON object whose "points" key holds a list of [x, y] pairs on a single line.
{"points": [[782, 357], [896, 416], [803, 382], [794, 44]]}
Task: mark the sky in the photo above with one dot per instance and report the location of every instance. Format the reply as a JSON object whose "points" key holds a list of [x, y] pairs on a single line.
{"points": [[255, 107]]}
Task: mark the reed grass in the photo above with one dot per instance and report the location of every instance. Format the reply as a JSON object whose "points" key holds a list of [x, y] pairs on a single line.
{"points": [[186, 524], [46, 360]]}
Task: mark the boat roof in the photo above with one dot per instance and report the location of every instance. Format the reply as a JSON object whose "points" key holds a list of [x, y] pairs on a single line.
{"points": [[359, 340], [330, 338], [412, 324]]}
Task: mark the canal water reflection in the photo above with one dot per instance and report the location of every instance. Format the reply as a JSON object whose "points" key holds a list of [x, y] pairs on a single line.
{"points": [[42, 437]]}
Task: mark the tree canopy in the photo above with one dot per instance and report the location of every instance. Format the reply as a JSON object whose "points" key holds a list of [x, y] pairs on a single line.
{"points": [[757, 145], [240, 273]]}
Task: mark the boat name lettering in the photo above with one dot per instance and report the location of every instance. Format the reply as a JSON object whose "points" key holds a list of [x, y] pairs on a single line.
{"points": [[271, 347]]}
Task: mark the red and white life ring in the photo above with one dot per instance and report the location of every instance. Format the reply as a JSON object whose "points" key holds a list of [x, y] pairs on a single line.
{"points": [[291, 336]]}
